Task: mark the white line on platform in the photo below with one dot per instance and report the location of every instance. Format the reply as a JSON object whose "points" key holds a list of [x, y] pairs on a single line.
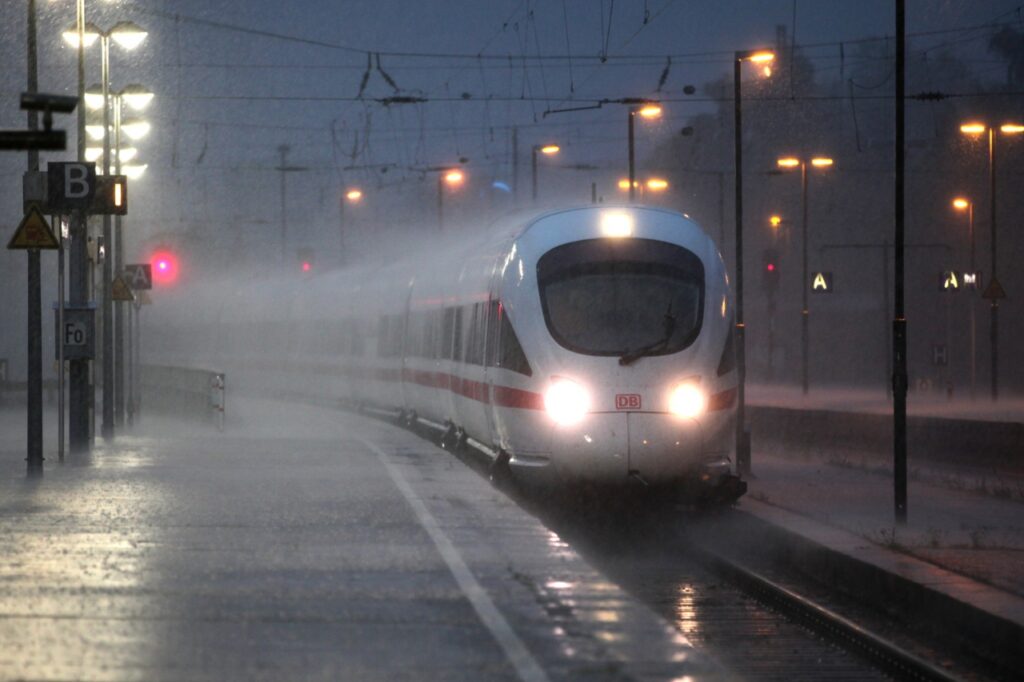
{"points": [[524, 663]]}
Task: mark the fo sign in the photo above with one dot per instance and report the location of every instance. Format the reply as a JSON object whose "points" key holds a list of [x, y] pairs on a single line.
{"points": [[77, 333]]}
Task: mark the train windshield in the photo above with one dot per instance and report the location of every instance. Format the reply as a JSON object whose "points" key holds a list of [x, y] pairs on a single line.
{"points": [[622, 296]]}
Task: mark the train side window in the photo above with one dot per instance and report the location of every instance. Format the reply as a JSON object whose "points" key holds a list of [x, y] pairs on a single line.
{"points": [[491, 334], [475, 341], [510, 354], [457, 335]]}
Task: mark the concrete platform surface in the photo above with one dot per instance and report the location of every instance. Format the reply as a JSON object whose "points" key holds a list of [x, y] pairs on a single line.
{"points": [[302, 543]]}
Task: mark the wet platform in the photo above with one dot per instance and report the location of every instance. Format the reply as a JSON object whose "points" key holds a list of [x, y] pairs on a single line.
{"points": [[959, 558], [302, 543]]}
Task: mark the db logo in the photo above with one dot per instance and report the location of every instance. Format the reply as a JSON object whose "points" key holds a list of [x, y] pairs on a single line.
{"points": [[627, 401]]}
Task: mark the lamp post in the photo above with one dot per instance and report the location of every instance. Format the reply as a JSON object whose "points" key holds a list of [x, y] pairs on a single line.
{"points": [[647, 110], [452, 178], [977, 129], [962, 204], [129, 36], [789, 163], [353, 195], [547, 150], [135, 97], [742, 440]]}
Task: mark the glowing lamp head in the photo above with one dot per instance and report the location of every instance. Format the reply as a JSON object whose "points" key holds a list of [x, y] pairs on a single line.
{"points": [[1012, 128], [566, 402], [616, 224], [775, 220], [762, 57], [454, 177], [624, 183], [973, 128], [961, 204], [164, 265], [657, 185], [306, 266], [550, 149], [770, 267], [821, 162], [354, 195], [128, 34], [687, 400], [650, 111], [788, 162], [90, 35]]}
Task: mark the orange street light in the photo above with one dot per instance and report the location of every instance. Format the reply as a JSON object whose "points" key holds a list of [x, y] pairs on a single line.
{"points": [[454, 177], [761, 57], [775, 221], [788, 162], [547, 150], [354, 195], [821, 162], [961, 204], [657, 185], [976, 128], [650, 111]]}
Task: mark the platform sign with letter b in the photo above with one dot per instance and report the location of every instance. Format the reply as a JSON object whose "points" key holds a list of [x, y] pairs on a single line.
{"points": [[70, 186]]}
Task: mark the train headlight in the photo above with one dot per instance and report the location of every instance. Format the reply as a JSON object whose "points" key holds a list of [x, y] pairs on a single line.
{"points": [[687, 400], [566, 401]]}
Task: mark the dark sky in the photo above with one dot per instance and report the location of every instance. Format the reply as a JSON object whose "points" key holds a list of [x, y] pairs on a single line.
{"points": [[226, 99]]}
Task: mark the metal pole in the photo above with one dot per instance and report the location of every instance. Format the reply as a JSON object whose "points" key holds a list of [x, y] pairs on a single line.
{"points": [[515, 165], [974, 297], [632, 164], [118, 267], [533, 166], [60, 340], [34, 425], [283, 151], [79, 386], [440, 202], [899, 327], [994, 329], [805, 311], [130, 366], [742, 441], [107, 427]]}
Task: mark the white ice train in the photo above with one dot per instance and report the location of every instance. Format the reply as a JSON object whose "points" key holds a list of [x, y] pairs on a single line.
{"points": [[586, 345]]}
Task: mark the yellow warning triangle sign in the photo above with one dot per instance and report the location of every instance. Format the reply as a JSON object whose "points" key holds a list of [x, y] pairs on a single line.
{"points": [[994, 290], [120, 291], [33, 233]]}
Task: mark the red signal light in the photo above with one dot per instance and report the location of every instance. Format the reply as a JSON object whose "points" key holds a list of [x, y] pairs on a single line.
{"points": [[770, 267], [164, 266], [306, 266]]}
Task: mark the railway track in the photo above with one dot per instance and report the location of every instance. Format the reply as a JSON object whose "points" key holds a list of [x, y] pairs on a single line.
{"points": [[758, 627]]}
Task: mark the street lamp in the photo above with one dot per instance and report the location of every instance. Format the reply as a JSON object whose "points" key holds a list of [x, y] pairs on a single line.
{"points": [[646, 110], [135, 97], [453, 178], [353, 195], [763, 57], [790, 163], [976, 129], [547, 150], [962, 204], [129, 36]]}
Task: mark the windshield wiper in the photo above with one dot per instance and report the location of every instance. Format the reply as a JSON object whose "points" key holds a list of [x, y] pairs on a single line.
{"points": [[632, 356]]}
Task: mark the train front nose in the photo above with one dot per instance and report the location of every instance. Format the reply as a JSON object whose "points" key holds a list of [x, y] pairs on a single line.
{"points": [[609, 448]]}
